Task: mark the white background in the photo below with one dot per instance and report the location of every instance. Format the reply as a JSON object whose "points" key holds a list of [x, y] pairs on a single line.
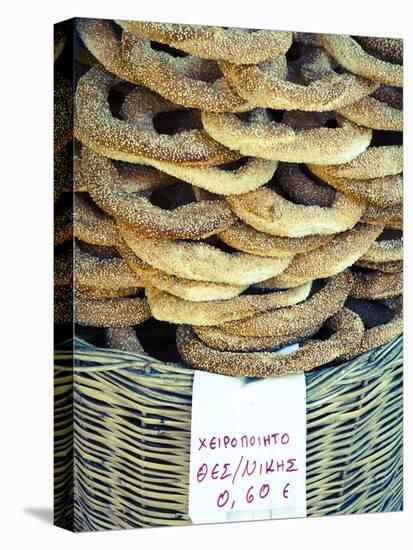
{"points": [[26, 274]]}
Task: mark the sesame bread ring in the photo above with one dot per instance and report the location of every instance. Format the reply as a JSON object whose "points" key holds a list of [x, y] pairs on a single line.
{"points": [[247, 174], [101, 272], [97, 128], [355, 59], [264, 86], [91, 225], [385, 249], [377, 285], [332, 258], [315, 310], [347, 330], [267, 211], [63, 113], [233, 45], [375, 162], [276, 141], [380, 334], [97, 293], [114, 312], [247, 239], [389, 49], [186, 289], [63, 268], [63, 223], [166, 307], [194, 220], [381, 191], [391, 216], [202, 262], [374, 113], [386, 267], [215, 338], [255, 128], [189, 81], [123, 338]]}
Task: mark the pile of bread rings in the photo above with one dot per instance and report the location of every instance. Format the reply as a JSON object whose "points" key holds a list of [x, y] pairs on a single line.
{"points": [[242, 188]]}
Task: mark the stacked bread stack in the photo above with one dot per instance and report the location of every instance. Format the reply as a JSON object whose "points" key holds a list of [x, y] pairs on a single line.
{"points": [[241, 188]]}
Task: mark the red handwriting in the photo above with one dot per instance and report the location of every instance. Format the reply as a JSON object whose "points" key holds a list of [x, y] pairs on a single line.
{"points": [[244, 441], [246, 467]]}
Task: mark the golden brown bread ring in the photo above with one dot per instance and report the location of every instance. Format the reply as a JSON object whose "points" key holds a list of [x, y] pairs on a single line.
{"points": [[276, 141], [194, 220], [332, 258], [91, 225], [375, 162], [381, 334], [99, 272], [304, 190], [250, 175], [98, 293], [381, 191], [352, 57], [391, 216], [97, 128], [264, 86], [377, 285], [267, 211], [189, 81], [63, 223], [123, 338], [114, 312], [347, 330], [234, 45], [315, 310], [63, 113], [389, 49], [373, 113], [63, 268], [385, 267], [186, 289], [202, 262], [166, 307], [215, 338], [244, 237], [385, 250]]}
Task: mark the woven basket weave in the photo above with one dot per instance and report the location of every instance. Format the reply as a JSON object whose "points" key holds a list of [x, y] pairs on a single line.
{"points": [[123, 420]]}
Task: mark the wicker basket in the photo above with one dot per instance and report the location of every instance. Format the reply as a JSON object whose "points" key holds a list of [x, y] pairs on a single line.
{"points": [[123, 421]]}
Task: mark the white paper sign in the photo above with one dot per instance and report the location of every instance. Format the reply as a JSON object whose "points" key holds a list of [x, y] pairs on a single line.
{"points": [[248, 448]]}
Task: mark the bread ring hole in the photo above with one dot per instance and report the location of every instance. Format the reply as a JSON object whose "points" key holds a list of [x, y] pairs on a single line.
{"points": [[275, 115], [391, 95], [331, 123], [235, 165], [172, 196], [386, 137], [294, 53], [97, 250], [115, 101], [158, 339], [372, 312], [174, 122], [390, 235], [158, 47]]}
